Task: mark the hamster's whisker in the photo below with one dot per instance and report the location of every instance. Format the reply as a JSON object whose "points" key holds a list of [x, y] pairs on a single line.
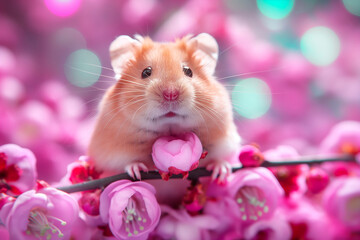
{"points": [[254, 72], [214, 118], [212, 114], [128, 75], [128, 103], [228, 48], [133, 117], [118, 109], [239, 107], [199, 111], [120, 106], [88, 72], [99, 66], [130, 81], [131, 91]]}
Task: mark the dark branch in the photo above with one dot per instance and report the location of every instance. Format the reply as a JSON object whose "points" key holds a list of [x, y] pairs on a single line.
{"points": [[199, 172]]}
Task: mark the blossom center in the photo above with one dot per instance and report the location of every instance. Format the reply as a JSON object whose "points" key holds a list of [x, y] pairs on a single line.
{"points": [[251, 202], [41, 224], [134, 216], [349, 148], [8, 172]]}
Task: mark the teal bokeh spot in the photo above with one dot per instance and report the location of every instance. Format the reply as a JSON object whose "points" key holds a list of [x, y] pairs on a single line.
{"points": [[251, 98], [320, 45], [83, 68], [275, 9], [286, 39], [353, 6]]}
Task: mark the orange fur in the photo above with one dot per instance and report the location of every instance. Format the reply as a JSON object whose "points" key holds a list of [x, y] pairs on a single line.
{"points": [[132, 112]]}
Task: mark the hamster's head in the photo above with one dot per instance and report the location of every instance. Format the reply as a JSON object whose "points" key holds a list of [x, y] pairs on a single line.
{"points": [[161, 84]]}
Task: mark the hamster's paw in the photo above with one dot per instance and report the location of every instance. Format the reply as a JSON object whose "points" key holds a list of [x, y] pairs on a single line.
{"points": [[220, 170], [134, 169]]}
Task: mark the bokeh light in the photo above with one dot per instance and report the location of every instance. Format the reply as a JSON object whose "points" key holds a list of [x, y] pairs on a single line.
{"points": [[353, 6], [63, 8], [251, 98], [320, 45], [83, 68], [275, 9], [69, 37]]}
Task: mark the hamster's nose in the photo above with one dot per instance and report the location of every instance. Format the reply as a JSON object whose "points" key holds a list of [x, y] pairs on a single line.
{"points": [[171, 95]]}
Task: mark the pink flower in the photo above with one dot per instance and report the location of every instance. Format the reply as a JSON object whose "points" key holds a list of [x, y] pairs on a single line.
{"points": [[275, 228], [48, 213], [250, 195], [291, 178], [80, 171], [317, 180], [250, 156], [308, 220], [130, 208], [342, 201], [343, 138], [255, 192], [178, 224], [194, 198], [177, 155], [89, 202], [17, 169]]}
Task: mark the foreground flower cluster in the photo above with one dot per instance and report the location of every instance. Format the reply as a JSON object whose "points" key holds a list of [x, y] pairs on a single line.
{"points": [[285, 202]]}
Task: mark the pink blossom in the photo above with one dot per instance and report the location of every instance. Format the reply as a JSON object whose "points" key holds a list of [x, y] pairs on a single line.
{"points": [[194, 198], [47, 213], [175, 155], [80, 171], [343, 138], [308, 220], [255, 192], [178, 224], [317, 180], [250, 156], [342, 201], [130, 208], [250, 195], [4, 233], [275, 228], [222, 209], [17, 169], [291, 178]]}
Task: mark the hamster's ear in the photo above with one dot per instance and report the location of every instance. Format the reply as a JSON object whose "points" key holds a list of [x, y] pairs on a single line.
{"points": [[207, 51], [122, 49]]}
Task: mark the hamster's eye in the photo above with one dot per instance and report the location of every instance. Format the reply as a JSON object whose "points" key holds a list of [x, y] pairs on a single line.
{"points": [[146, 72], [187, 71]]}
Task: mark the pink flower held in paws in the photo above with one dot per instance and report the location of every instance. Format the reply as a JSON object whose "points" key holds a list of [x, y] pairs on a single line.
{"points": [[130, 208], [17, 169], [177, 155], [46, 214]]}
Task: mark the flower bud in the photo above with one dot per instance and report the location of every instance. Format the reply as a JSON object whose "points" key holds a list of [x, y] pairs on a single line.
{"points": [[317, 180], [177, 155], [250, 156]]}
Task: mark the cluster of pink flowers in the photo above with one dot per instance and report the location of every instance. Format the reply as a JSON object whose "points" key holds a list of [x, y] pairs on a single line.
{"points": [[284, 202]]}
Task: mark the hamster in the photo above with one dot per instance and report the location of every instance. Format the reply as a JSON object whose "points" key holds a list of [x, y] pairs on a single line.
{"points": [[163, 89]]}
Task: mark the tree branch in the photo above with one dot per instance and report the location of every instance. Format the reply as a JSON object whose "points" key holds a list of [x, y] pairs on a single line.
{"points": [[199, 172]]}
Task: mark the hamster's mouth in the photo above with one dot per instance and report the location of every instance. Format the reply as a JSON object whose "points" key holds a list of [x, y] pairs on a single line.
{"points": [[170, 115]]}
